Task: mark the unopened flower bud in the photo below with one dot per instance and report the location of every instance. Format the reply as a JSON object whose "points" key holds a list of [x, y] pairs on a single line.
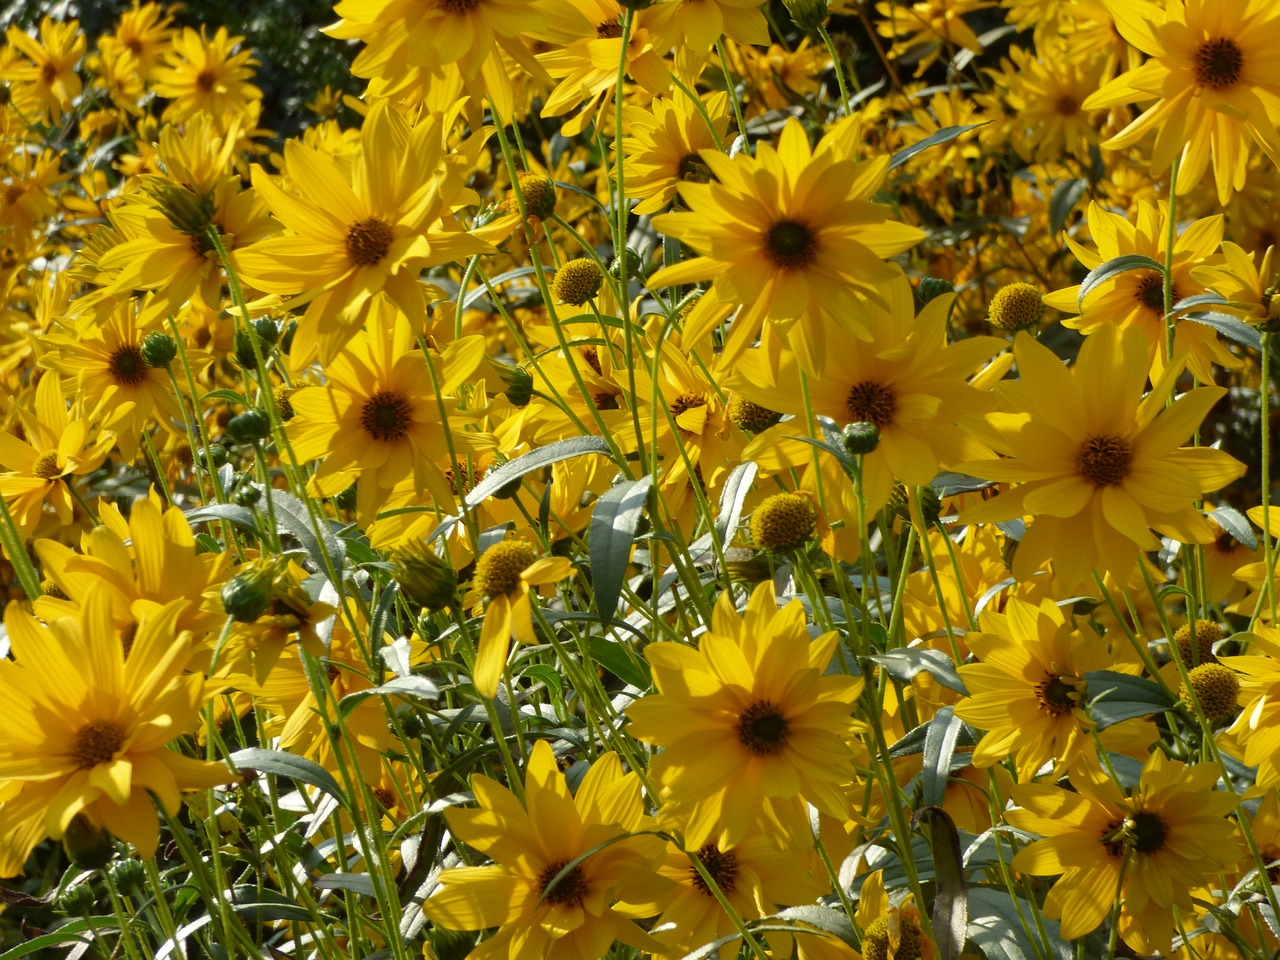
{"points": [[87, 844], [246, 596], [158, 349], [933, 287], [424, 578], [861, 437], [807, 14], [248, 427]]}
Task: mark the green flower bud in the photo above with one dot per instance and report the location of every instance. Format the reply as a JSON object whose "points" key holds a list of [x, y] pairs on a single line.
{"points": [[243, 348], [424, 578], [861, 437], [807, 14], [247, 595], [128, 876], [248, 427], [932, 287], [633, 261], [77, 900], [158, 349], [88, 845], [189, 212]]}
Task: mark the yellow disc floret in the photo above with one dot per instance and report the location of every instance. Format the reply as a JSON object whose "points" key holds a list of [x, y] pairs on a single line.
{"points": [[1016, 306], [577, 281], [1207, 634], [783, 522], [1216, 687], [498, 571]]}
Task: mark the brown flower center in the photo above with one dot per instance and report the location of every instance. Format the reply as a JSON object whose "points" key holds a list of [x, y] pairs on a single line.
{"points": [[570, 890], [871, 402], [721, 866], [206, 80], [127, 367], [790, 245], [46, 466], [1219, 63], [693, 169], [1055, 695], [1150, 293], [1066, 105], [686, 401], [386, 416], [1104, 461], [97, 742], [609, 30], [368, 241], [48, 73], [459, 6], [762, 728]]}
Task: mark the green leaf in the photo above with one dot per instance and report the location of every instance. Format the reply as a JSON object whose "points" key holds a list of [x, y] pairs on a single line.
{"points": [[288, 765], [939, 746], [620, 661], [228, 395], [945, 135], [417, 688], [67, 933], [1233, 521], [240, 516], [613, 527], [951, 899], [1066, 194], [500, 476], [294, 518], [360, 883], [906, 663], [1120, 696], [996, 927], [1233, 328], [827, 919], [733, 496], [265, 906], [1114, 267]]}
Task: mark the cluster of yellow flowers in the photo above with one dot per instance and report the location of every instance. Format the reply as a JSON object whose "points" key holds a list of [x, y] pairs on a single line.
{"points": [[671, 475]]}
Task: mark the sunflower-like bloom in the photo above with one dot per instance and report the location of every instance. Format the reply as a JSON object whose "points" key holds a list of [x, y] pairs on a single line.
{"points": [[504, 575], [1027, 691], [359, 229], [1098, 464], [664, 147], [888, 930], [787, 234], [561, 860], [57, 447], [1214, 73], [1135, 298], [407, 41], [87, 727], [750, 725], [50, 79], [934, 25], [908, 382], [379, 417], [1255, 735], [1163, 842], [204, 76]]}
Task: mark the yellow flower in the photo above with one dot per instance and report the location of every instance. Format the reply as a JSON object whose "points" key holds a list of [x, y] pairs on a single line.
{"points": [[1096, 462], [663, 149], [57, 447], [907, 381], [789, 236], [1214, 73], [378, 418], [1153, 850], [504, 575], [88, 726], [469, 36], [362, 228], [1255, 735], [750, 725], [936, 25], [561, 861], [890, 932], [1135, 298], [1028, 689], [51, 78], [204, 76]]}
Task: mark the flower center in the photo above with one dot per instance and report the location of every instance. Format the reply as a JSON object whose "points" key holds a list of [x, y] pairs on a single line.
{"points": [[1150, 293], [97, 742], [205, 81], [459, 6], [693, 169], [609, 30], [1104, 461], [1149, 832], [368, 241], [1055, 695], [871, 402], [789, 244], [498, 570], [721, 865], [46, 466], [386, 416], [1219, 63], [127, 366], [48, 73], [1066, 105], [686, 401], [569, 891], [762, 728], [878, 943], [384, 797]]}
